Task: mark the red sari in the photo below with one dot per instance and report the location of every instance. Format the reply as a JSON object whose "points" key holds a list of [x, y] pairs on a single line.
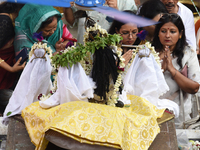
{"points": [[7, 78]]}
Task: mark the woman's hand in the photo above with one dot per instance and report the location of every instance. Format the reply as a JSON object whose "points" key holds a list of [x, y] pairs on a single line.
{"points": [[17, 66], [186, 84], [71, 4], [60, 45], [127, 56], [167, 60], [112, 3], [164, 64]]}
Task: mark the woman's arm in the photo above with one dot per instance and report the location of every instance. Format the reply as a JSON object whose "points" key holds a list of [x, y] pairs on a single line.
{"points": [[186, 84], [15, 68], [69, 15]]}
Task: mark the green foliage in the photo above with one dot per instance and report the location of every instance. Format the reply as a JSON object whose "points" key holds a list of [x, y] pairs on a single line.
{"points": [[76, 54]]}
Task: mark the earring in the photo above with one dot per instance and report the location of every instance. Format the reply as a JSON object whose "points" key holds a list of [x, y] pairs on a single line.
{"points": [[180, 37]]}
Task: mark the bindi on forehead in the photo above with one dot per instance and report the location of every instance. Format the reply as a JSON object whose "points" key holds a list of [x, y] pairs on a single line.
{"points": [[169, 28]]}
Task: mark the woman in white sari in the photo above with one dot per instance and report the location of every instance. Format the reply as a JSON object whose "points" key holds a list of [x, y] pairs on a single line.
{"points": [[179, 63]]}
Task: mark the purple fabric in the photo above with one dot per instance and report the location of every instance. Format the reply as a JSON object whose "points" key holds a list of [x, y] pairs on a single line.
{"points": [[70, 43], [38, 36], [124, 16], [142, 35], [58, 3]]}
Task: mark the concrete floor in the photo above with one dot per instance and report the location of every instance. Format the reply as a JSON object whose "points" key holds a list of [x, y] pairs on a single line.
{"points": [[3, 128], [3, 135]]}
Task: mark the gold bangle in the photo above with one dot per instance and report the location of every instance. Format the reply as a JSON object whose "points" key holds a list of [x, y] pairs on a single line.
{"points": [[174, 74]]}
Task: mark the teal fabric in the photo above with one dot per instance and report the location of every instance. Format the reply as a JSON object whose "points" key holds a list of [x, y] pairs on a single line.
{"points": [[29, 21]]}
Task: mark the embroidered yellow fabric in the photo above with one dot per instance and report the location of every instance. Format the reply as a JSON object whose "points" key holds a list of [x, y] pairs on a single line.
{"points": [[128, 128]]}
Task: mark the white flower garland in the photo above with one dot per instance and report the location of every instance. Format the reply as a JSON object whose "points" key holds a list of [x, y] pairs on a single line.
{"points": [[87, 63], [153, 52], [195, 145], [40, 45], [95, 28], [68, 49], [44, 97], [54, 88], [113, 100]]}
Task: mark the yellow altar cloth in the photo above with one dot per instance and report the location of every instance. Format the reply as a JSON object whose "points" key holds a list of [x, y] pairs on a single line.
{"points": [[128, 128]]}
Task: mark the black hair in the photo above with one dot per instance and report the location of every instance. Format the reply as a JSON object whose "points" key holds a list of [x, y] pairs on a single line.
{"points": [[7, 31], [89, 22], [117, 24], [152, 8], [104, 69], [105, 62], [180, 45], [48, 21], [7, 7], [198, 56]]}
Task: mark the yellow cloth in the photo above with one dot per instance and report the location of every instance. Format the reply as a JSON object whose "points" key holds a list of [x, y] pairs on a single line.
{"points": [[129, 128]]}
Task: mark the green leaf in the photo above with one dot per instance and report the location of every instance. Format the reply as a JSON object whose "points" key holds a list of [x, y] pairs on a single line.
{"points": [[77, 54], [9, 113]]}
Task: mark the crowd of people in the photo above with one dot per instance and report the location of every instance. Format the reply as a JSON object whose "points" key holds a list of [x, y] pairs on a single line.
{"points": [[175, 37]]}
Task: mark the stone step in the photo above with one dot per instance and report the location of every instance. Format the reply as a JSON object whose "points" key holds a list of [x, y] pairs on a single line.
{"points": [[3, 135], [3, 142], [3, 128]]}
